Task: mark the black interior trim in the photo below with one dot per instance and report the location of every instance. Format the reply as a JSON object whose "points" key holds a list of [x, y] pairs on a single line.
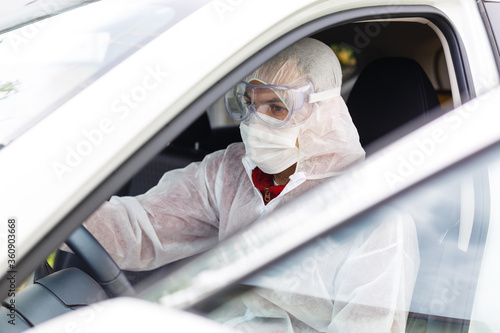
{"points": [[135, 162]]}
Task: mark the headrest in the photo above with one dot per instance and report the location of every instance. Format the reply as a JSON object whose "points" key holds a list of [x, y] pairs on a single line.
{"points": [[389, 93]]}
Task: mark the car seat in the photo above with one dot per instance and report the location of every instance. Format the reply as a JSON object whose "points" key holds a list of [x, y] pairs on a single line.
{"points": [[387, 94]]}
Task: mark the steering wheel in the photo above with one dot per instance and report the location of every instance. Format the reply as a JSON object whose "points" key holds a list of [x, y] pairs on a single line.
{"points": [[103, 269]]}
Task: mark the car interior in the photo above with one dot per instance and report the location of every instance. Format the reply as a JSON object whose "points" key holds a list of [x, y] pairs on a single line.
{"points": [[396, 71], [391, 74]]}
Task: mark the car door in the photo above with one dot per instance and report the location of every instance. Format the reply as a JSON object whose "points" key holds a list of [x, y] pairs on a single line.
{"points": [[365, 28], [452, 212]]}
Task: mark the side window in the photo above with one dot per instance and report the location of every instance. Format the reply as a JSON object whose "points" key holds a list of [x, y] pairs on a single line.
{"points": [[452, 220], [414, 264]]}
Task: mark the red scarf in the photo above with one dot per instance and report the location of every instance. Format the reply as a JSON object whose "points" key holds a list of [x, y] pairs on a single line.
{"points": [[265, 184]]}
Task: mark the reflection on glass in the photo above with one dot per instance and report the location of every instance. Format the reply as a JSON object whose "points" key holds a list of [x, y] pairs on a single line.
{"points": [[58, 57], [411, 266], [8, 88], [358, 279]]}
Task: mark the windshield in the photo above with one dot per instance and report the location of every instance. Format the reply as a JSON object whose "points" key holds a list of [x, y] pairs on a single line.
{"points": [[47, 62]]}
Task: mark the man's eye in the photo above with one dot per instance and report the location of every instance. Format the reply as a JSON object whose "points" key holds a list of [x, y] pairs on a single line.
{"points": [[277, 108], [278, 112]]}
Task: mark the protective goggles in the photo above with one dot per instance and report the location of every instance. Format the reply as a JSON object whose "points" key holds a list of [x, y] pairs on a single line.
{"points": [[274, 105]]}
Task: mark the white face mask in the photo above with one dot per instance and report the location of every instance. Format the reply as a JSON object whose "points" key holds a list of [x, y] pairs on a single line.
{"points": [[272, 149]]}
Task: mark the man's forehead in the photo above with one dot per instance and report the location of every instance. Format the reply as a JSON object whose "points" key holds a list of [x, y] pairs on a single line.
{"points": [[260, 93]]}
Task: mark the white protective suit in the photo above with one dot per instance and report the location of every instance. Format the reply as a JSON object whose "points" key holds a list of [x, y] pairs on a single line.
{"points": [[194, 208]]}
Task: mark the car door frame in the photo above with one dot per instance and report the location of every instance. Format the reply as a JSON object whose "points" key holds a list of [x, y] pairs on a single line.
{"points": [[137, 160]]}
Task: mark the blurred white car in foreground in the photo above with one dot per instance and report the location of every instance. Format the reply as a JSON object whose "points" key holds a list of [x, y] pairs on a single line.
{"points": [[105, 98]]}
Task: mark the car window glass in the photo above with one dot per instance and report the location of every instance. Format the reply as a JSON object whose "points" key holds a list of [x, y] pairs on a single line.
{"points": [[49, 61], [427, 246]]}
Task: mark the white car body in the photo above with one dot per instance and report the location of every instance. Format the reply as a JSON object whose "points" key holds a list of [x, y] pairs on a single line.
{"points": [[47, 170], [66, 182]]}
